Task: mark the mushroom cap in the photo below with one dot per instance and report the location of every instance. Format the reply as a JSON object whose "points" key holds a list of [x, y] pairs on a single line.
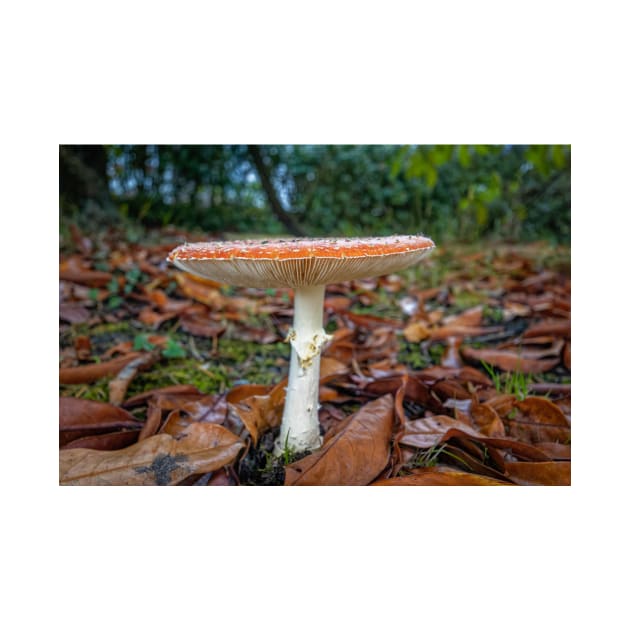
{"points": [[299, 262]]}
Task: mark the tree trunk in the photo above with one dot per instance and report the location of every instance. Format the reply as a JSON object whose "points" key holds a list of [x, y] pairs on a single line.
{"points": [[274, 202], [83, 174]]}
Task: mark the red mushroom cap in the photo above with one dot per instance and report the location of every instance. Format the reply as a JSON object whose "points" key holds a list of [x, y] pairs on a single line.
{"points": [[299, 262]]}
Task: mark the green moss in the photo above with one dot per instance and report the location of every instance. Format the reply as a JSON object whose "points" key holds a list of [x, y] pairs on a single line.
{"points": [[463, 300], [493, 315], [414, 356], [234, 361], [98, 391], [436, 351]]}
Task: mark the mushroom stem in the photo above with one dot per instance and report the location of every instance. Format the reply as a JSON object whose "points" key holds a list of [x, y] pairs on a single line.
{"points": [[300, 421]]}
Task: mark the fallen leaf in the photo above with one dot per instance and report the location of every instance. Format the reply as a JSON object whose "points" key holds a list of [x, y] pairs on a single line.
{"points": [[86, 276], [83, 347], [487, 420], [105, 441], [539, 473], [371, 321], [337, 303], [158, 460], [431, 430], [457, 330], [259, 413], [201, 290], [153, 421], [537, 419], [356, 454], [554, 327], [415, 332], [465, 374], [119, 385], [74, 314], [258, 334], [202, 327], [566, 355], [78, 414], [508, 361], [167, 305], [470, 317], [94, 371], [431, 477], [149, 317], [140, 399], [555, 451], [211, 408]]}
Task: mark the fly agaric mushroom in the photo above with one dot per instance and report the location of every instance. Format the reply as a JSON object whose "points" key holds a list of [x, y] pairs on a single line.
{"points": [[305, 265]]}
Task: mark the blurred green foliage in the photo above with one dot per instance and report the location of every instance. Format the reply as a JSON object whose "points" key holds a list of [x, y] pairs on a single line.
{"points": [[462, 192]]}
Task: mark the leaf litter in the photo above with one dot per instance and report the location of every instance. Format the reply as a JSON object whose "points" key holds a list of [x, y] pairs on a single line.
{"points": [[418, 385]]}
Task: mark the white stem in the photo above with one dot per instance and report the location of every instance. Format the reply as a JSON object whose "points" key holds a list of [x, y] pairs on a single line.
{"points": [[300, 421]]}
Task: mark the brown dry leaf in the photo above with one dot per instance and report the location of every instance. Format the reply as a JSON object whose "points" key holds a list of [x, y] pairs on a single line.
{"points": [[94, 371], [443, 477], [201, 326], [555, 451], [566, 355], [158, 460], [258, 334], [456, 330], [415, 390], [105, 441], [259, 413], [166, 304], [83, 347], [488, 420], [337, 303], [537, 419], [140, 399], [415, 332], [74, 313], [508, 361], [120, 384], [85, 276], [470, 317], [152, 423], [211, 408], [79, 419], [431, 430], [465, 374], [78, 414], [204, 291], [553, 327], [502, 404], [451, 389], [356, 454], [149, 317], [371, 321], [539, 473], [239, 393]]}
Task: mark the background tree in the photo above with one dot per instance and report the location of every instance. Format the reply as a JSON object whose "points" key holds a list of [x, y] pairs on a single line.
{"points": [[462, 192]]}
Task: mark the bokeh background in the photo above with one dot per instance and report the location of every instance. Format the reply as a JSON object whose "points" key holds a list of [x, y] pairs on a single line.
{"points": [[450, 192]]}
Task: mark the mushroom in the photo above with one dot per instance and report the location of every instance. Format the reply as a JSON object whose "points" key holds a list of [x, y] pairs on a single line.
{"points": [[305, 265]]}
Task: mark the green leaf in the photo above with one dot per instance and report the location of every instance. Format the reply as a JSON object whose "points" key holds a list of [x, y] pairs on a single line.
{"points": [[114, 301], [173, 350], [432, 176], [463, 155], [113, 286], [141, 342]]}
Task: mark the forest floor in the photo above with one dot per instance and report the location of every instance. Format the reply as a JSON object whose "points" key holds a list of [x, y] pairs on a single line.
{"points": [[457, 372]]}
